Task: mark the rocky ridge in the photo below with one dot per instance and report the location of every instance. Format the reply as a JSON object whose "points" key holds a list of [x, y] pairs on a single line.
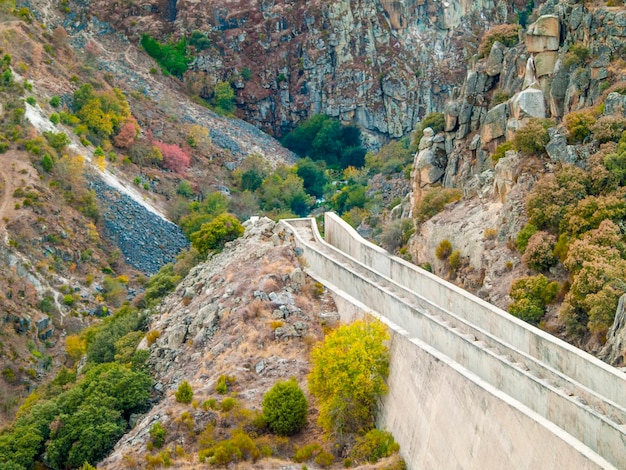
{"points": [[382, 65], [542, 78], [249, 312]]}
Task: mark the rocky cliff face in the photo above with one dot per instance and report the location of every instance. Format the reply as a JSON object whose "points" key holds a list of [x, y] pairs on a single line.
{"points": [[567, 60], [563, 64], [381, 64]]}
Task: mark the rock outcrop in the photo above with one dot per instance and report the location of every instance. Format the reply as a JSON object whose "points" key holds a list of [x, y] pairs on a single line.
{"points": [[249, 313], [381, 64], [559, 67]]}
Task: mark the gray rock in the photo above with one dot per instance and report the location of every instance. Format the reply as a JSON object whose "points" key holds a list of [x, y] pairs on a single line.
{"points": [[493, 66], [559, 151], [615, 103], [431, 165], [452, 111], [259, 366], [528, 103], [494, 125], [615, 348], [505, 174], [427, 139], [278, 314]]}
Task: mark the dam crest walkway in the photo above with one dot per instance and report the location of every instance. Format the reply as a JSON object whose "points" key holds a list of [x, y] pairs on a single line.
{"points": [[471, 386]]}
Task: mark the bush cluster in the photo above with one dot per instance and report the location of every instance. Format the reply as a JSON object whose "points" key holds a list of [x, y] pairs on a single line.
{"points": [[348, 376], [285, 408], [507, 34], [531, 295], [324, 138]]}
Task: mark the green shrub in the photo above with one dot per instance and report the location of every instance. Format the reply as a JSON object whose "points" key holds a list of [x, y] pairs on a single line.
{"points": [[579, 124], [55, 101], [306, 453], [501, 151], [348, 376], [533, 137], [507, 34], [608, 128], [443, 249], [214, 235], [373, 446], [539, 253], [521, 241], [285, 408], [157, 434], [223, 382], [162, 283], [454, 260], [47, 163], [68, 299], [184, 393], [499, 96], [531, 295], [172, 57], [199, 40], [228, 404], [210, 404], [54, 118], [434, 200], [324, 459]]}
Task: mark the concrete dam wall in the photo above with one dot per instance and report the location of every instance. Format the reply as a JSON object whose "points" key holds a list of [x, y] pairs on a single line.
{"points": [[470, 386]]}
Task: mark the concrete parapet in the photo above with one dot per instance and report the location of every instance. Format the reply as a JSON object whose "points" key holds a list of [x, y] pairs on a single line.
{"points": [[563, 357], [521, 401]]}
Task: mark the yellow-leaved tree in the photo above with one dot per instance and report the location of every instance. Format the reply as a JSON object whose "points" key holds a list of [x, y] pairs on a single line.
{"points": [[348, 376]]}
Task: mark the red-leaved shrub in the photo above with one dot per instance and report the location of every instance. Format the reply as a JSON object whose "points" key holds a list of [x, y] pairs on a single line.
{"points": [[127, 134], [174, 157]]}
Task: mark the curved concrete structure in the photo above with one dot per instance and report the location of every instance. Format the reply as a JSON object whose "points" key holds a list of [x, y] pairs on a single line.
{"points": [[470, 385]]}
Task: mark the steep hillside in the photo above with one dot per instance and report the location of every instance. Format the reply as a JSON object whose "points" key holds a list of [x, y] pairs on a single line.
{"points": [[381, 65], [532, 122], [82, 221]]}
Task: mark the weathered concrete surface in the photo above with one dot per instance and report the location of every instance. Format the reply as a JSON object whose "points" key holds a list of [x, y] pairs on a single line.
{"points": [[571, 361], [460, 396]]}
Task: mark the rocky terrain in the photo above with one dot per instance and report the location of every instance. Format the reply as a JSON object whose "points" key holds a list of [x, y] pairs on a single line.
{"points": [[381, 65], [250, 313]]}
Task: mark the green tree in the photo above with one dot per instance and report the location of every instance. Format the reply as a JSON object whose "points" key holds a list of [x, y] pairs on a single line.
{"points": [[348, 376], [158, 433], [313, 175], [214, 235], [531, 295], [285, 408], [184, 393], [224, 98]]}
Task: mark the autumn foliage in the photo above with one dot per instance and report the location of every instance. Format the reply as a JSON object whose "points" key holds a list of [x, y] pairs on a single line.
{"points": [[127, 134], [348, 376], [175, 158]]}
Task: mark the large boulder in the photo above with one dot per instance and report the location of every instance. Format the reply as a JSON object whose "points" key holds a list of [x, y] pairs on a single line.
{"points": [[506, 173], [494, 125], [544, 34], [615, 103], [430, 165], [493, 66], [427, 139], [528, 103], [545, 63], [452, 111], [558, 150]]}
